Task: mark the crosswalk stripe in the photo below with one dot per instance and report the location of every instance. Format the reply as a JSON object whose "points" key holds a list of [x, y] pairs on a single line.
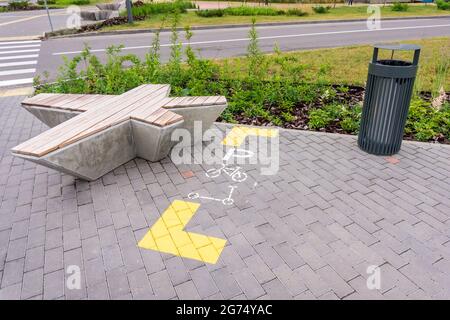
{"points": [[25, 56], [15, 64], [6, 83], [18, 47], [18, 60], [19, 51], [20, 42], [17, 71]]}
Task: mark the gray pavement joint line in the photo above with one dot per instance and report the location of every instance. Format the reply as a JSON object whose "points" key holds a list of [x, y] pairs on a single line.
{"points": [[267, 38]]}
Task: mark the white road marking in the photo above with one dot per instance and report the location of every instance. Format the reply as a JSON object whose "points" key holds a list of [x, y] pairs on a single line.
{"points": [[10, 75], [18, 47], [17, 71], [267, 38], [15, 64], [25, 56], [20, 42], [6, 83], [19, 51]]}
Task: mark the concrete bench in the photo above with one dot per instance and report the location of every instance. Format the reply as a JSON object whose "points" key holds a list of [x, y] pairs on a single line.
{"points": [[93, 134]]}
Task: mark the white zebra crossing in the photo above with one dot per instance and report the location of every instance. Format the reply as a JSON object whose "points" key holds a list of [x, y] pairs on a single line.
{"points": [[17, 62]]}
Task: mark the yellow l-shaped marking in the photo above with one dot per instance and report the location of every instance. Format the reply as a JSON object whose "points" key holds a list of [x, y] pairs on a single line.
{"points": [[237, 135], [167, 235]]}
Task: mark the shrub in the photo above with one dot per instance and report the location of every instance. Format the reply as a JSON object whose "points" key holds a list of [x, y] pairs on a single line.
{"points": [[149, 9], [398, 6], [252, 11], [443, 5], [18, 5], [42, 2], [296, 12], [321, 9], [210, 13], [345, 117]]}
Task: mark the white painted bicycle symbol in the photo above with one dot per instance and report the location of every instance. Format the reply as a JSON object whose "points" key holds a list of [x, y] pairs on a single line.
{"points": [[235, 173], [228, 201]]}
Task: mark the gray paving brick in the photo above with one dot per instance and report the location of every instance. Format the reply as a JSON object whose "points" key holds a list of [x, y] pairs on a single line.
{"points": [[53, 260], [54, 285], [91, 248], [11, 292], [140, 284], [33, 283], [187, 291], [16, 249], [131, 258], [72, 239], [291, 280], [34, 258], [117, 282], [259, 269], [337, 284], [177, 270], [112, 257], [292, 259], [162, 287], [12, 273], [98, 291], [203, 281], [226, 283], [251, 287], [95, 271]]}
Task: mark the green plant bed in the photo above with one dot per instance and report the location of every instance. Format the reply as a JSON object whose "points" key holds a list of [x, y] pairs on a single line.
{"points": [[150, 9], [443, 4], [401, 7], [286, 90]]}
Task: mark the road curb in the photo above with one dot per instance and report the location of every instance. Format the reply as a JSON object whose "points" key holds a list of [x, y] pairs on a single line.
{"points": [[47, 35]]}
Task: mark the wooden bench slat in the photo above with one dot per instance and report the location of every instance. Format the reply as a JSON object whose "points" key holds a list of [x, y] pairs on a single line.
{"points": [[90, 118], [118, 117], [38, 145]]}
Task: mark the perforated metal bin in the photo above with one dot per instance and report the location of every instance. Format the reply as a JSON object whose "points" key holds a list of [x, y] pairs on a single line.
{"points": [[388, 93]]}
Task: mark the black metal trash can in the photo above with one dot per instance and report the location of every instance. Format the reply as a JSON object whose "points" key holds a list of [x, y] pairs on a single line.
{"points": [[386, 103]]}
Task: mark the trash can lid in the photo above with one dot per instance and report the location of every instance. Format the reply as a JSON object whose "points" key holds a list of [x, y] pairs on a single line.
{"points": [[403, 47]]}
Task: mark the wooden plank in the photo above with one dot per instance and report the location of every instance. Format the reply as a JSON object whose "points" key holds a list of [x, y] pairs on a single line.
{"points": [[83, 122], [67, 128], [38, 98], [117, 117]]}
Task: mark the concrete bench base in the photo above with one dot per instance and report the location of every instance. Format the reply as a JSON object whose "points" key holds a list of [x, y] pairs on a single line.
{"points": [[93, 157]]}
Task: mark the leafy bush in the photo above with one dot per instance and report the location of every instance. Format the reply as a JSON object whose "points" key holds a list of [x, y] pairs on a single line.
{"points": [[262, 90], [249, 11], [18, 5], [252, 11], [398, 6], [149, 9], [321, 9], [296, 12], [443, 5], [345, 117], [42, 2], [210, 13], [426, 123]]}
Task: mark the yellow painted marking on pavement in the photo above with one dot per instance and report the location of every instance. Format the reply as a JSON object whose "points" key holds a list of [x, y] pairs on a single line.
{"points": [[167, 235], [17, 92], [238, 134]]}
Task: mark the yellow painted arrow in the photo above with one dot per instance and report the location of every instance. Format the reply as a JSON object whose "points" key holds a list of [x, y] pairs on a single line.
{"points": [[237, 135], [167, 235]]}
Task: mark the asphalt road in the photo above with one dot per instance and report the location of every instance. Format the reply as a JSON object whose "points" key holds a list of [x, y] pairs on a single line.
{"points": [[21, 60], [31, 23], [219, 43]]}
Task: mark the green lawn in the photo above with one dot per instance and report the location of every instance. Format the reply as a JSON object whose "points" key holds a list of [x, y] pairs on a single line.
{"points": [[341, 12], [333, 65]]}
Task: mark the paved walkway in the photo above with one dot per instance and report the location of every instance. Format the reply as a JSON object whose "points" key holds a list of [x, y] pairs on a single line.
{"points": [[311, 231]]}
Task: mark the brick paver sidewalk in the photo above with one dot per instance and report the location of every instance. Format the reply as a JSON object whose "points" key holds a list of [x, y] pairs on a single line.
{"points": [[311, 231]]}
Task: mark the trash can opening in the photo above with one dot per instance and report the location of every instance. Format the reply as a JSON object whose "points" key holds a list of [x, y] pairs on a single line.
{"points": [[395, 63]]}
